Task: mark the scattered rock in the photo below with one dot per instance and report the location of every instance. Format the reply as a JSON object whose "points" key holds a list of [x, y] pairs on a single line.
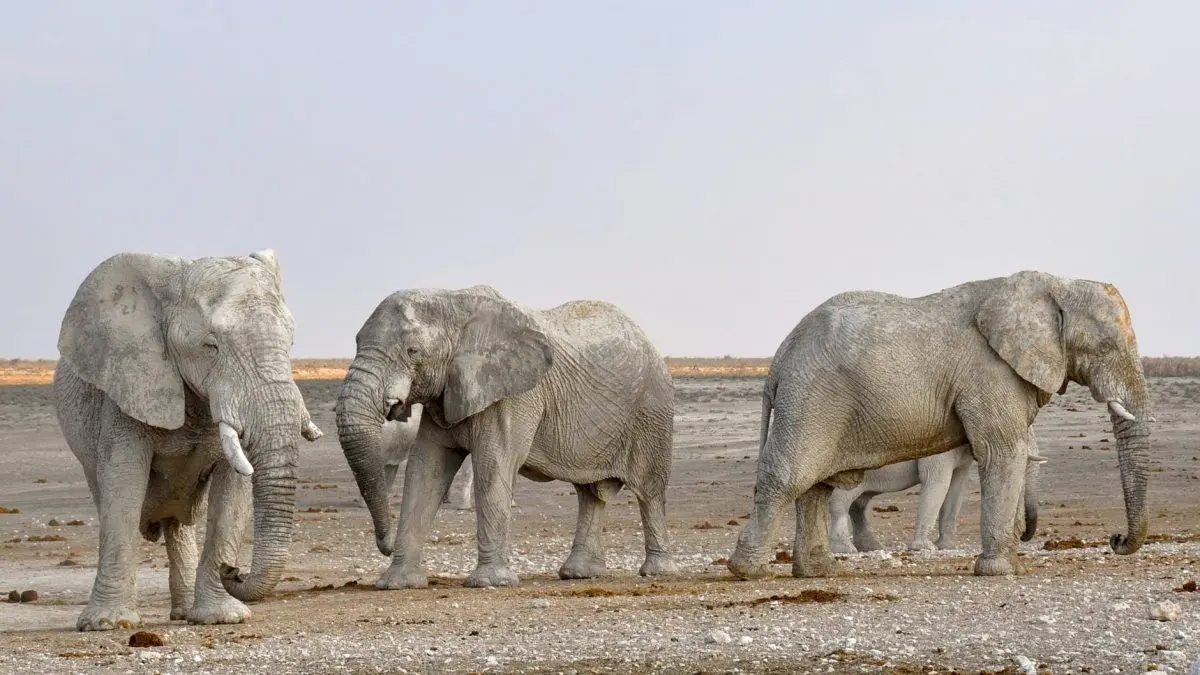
{"points": [[143, 639], [5, 509], [783, 557], [1025, 665], [539, 603], [745, 640], [75, 523], [705, 526], [1188, 586], [14, 596], [732, 522], [492, 662], [1067, 543], [54, 522], [29, 596], [1164, 611], [718, 637], [890, 508], [68, 563]]}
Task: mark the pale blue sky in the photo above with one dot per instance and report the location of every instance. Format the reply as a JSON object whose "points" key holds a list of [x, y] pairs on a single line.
{"points": [[715, 168]]}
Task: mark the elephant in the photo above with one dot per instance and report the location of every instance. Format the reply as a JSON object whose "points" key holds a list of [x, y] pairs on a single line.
{"points": [[869, 378], [576, 393], [943, 481], [174, 391]]}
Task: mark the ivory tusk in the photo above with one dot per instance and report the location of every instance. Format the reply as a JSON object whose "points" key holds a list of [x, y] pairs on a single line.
{"points": [[1120, 411], [232, 447], [1037, 458], [311, 431]]}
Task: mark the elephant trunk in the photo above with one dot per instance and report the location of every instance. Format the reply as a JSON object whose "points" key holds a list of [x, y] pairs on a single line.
{"points": [[273, 452], [360, 422], [1133, 454]]}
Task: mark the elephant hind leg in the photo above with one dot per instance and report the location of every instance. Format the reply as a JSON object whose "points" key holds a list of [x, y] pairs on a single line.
{"points": [[810, 551], [586, 560], [864, 536]]}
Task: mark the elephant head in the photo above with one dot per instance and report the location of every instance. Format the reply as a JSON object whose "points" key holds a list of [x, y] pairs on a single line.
{"points": [[455, 352], [202, 343], [1052, 330]]}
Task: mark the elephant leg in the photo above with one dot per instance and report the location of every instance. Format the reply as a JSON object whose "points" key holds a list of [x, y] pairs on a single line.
{"points": [[841, 536], [460, 496], [810, 551], [495, 469], [654, 527], [229, 509], [751, 557], [427, 478], [181, 564], [860, 521], [1001, 473], [587, 551], [948, 516], [121, 488], [936, 474]]}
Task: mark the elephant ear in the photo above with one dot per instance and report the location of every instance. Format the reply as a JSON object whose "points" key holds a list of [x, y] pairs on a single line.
{"points": [[500, 353], [113, 335], [268, 259], [1024, 325]]}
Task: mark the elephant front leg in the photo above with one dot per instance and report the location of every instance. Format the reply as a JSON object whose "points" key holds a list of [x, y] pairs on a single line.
{"points": [[1000, 477], [587, 551], [427, 478], [121, 484], [181, 564], [654, 522], [229, 507], [494, 475], [810, 551]]}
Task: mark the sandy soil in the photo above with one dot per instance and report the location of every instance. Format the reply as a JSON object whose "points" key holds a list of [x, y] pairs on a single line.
{"points": [[1074, 610]]}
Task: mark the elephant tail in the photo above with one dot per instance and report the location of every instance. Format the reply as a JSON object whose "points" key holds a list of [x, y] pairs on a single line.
{"points": [[768, 404]]}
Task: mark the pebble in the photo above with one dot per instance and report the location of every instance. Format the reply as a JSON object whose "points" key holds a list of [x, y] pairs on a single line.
{"points": [[1164, 611], [745, 640], [491, 662], [1025, 665], [539, 603], [719, 637]]}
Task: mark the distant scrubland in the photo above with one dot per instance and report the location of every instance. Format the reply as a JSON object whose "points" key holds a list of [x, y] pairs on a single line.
{"points": [[40, 371]]}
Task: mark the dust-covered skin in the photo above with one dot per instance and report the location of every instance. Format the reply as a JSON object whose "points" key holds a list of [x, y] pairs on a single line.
{"points": [[867, 379], [1074, 609], [576, 393], [168, 366], [942, 479]]}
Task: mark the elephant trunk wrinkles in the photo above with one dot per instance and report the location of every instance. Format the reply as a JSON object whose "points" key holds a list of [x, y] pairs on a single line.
{"points": [[1133, 453], [271, 418], [360, 431]]}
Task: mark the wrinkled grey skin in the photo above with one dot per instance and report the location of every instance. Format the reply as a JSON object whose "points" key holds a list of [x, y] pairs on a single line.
{"points": [[868, 379], [943, 481], [155, 352], [575, 393]]}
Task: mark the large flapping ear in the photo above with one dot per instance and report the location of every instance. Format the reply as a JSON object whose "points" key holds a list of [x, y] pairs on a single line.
{"points": [[267, 258], [500, 352], [1024, 325], [114, 335]]}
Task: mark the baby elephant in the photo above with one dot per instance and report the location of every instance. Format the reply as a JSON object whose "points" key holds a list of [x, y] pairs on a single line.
{"points": [[943, 480], [575, 393]]}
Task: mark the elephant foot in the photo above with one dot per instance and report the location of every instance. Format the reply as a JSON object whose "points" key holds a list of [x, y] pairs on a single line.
{"points": [[921, 545], [815, 566], [867, 542], [842, 546], [581, 565], [400, 576], [993, 567], [107, 617], [945, 544], [494, 574], [743, 568], [658, 564], [218, 611], [180, 613]]}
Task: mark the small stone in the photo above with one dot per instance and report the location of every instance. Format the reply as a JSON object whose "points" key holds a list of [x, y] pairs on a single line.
{"points": [[539, 603], [148, 655], [1164, 611], [1025, 665], [28, 596], [745, 640], [143, 639], [1173, 657], [14, 596], [492, 662], [718, 637]]}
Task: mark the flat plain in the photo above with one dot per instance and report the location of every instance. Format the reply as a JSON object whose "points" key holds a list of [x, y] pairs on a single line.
{"points": [[1075, 608]]}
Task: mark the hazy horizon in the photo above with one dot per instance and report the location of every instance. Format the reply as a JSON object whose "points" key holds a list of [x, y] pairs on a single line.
{"points": [[716, 170]]}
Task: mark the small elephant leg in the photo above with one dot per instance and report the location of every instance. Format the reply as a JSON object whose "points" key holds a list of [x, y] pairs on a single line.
{"points": [[654, 526], [936, 475], [1000, 476], [587, 551], [948, 516], [229, 509], [860, 521], [841, 536], [121, 491], [427, 477], [181, 564], [810, 551]]}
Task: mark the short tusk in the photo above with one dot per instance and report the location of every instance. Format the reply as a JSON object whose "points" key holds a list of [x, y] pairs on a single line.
{"points": [[1037, 458], [1120, 411], [311, 431], [232, 447]]}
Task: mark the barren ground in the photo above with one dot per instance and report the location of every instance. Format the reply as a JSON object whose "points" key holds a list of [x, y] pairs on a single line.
{"points": [[1074, 610]]}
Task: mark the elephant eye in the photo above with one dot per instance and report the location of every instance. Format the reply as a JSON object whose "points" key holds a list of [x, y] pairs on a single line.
{"points": [[210, 342], [413, 352]]}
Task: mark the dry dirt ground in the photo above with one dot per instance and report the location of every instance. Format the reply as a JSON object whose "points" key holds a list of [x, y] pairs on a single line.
{"points": [[1074, 610]]}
